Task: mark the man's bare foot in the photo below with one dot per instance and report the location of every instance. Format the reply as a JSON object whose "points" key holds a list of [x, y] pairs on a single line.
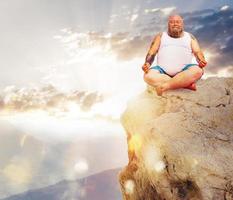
{"points": [[192, 87], [161, 88], [164, 87]]}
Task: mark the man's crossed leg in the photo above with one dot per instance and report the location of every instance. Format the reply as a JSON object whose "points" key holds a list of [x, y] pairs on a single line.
{"points": [[183, 79]]}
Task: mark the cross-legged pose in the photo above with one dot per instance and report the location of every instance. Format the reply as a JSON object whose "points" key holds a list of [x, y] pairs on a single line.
{"points": [[175, 49]]}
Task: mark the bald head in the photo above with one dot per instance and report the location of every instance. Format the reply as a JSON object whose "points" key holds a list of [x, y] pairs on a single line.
{"points": [[175, 17], [175, 26]]}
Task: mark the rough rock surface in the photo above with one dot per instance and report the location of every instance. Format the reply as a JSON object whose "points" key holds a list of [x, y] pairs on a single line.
{"points": [[180, 145]]}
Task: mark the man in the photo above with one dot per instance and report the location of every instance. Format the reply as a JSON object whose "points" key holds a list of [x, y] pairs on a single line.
{"points": [[175, 49]]}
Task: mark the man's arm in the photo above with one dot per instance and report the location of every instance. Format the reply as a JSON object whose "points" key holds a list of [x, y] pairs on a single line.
{"points": [[154, 47], [198, 52]]}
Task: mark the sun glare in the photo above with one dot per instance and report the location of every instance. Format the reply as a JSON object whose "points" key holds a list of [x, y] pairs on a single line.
{"points": [[208, 55]]}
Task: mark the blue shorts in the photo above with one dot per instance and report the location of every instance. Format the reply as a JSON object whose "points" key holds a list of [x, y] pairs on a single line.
{"points": [[157, 67]]}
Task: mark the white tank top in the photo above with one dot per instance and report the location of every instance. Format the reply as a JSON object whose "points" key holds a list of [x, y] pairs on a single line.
{"points": [[174, 53]]}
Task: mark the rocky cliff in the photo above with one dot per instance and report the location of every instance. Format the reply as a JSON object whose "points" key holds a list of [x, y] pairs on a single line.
{"points": [[180, 145]]}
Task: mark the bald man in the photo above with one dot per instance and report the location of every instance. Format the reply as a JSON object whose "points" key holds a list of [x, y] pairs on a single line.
{"points": [[175, 49]]}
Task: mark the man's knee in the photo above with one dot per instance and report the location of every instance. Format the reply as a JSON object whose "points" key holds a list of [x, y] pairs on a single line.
{"points": [[197, 72], [148, 77]]}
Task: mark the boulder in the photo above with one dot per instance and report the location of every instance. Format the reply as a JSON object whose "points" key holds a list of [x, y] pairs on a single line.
{"points": [[180, 144]]}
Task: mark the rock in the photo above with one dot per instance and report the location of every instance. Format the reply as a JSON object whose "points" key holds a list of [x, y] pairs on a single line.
{"points": [[180, 145]]}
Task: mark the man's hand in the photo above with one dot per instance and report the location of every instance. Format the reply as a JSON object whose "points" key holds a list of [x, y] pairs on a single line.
{"points": [[200, 59], [202, 63], [146, 67]]}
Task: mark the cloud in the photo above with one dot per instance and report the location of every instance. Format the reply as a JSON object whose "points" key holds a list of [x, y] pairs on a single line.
{"points": [[134, 17], [122, 44], [168, 10], [151, 10], [212, 28], [164, 11], [132, 47], [46, 98], [53, 159], [224, 7]]}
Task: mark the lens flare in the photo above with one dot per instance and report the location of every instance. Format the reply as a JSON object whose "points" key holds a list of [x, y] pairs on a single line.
{"points": [[153, 159], [135, 142], [129, 186], [81, 166]]}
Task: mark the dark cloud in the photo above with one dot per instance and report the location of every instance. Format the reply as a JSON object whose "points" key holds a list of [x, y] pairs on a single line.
{"points": [[212, 28], [135, 47]]}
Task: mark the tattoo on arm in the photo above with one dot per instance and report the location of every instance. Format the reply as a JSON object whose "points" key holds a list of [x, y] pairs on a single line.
{"points": [[150, 58], [151, 54], [152, 44]]}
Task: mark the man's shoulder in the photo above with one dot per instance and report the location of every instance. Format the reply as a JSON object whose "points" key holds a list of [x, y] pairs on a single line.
{"points": [[191, 35], [158, 35]]}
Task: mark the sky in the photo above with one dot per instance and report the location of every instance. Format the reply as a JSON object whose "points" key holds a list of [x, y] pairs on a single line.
{"points": [[68, 67], [79, 60], [77, 44]]}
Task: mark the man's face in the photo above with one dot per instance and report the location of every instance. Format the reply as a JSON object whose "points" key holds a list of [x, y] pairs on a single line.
{"points": [[175, 25]]}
